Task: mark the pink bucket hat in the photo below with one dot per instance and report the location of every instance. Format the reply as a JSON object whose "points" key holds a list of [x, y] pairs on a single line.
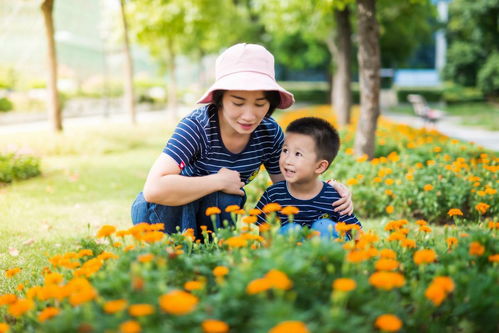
{"points": [[247, 67]]}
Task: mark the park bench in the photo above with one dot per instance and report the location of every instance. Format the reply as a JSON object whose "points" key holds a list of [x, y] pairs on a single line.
{"points": [[423, 110]]}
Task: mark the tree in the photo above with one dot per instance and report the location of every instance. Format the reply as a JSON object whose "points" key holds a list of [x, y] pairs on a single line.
{"points": [[473, 35], [54, 107], [129, 97], [369, 64]]}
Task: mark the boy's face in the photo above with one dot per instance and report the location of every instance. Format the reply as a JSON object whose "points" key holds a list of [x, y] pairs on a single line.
{"points": [[299, 162]]}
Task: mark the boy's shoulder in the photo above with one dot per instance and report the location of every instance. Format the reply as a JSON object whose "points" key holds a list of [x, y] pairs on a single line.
{"points": [[278, 187], [329, 191]]}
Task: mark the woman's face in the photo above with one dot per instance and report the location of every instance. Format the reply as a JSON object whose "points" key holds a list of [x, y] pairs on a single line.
{"points": [[243, 110]]}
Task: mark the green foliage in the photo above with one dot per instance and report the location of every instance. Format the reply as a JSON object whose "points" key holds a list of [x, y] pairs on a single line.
{"points": [[431, 94], [455, 94], [18, 167], [463, 63], [5, 104], [488, 76]]}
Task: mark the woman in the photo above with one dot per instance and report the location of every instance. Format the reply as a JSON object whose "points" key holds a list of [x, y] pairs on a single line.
{"points": [[219, 148]]}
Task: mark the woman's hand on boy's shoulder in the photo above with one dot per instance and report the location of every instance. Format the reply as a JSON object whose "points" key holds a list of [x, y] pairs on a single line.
{"points": [[344, 206]]}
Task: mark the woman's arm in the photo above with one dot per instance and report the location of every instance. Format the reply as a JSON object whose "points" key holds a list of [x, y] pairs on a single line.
{"points": [[165, 185]]}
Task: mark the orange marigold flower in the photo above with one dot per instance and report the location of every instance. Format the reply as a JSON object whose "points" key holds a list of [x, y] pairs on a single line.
{"points": [[236, 242], [115, 306], [220, 271], [425, 228], [249, 219], [145, 257], [344, 284], [384, 264], [178, 302], [424, 256], [435, 294], [493, 225], [193, 285], [264, 227], [408, 243], [494, 258], [212, 211], [357, 256], [258, 285], [12, 272], [139, 310], [48, 313], [255, 211], [428, 187], [53, 278], [8, 299], [451, 241], [421, 222], [278, 279], [290, 326], [445, 282], [20, 287], [232, 208], [482, 207], [106, 230], [396, 236], [476, 249], [388, 253], [388, 323], [20, 307], [455, 212], [130, 326], [85, 253], [4, 328], [387, 280], [271, 207], [389, 209], [214, 326], [290, 210]]}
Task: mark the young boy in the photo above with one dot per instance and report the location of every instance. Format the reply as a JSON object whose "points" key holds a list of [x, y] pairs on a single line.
{"points": [[310, 146]]}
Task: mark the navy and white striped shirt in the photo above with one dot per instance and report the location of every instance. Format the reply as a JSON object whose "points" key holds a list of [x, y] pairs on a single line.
{"points": [[311, 210], [197, 147]]}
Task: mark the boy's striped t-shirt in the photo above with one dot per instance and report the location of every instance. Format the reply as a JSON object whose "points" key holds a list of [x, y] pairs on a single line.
{"points": [[310, 210], [198, 149]]}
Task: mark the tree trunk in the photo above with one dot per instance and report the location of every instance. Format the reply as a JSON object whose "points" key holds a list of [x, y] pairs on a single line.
{"points": [[172, 81], [129, 97], [54, 107], [369, 65], [342, 91]]}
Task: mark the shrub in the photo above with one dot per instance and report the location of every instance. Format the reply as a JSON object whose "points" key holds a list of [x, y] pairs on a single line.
{"points": [[18, 167], [454, 93], [488, 76], [5, 104]]}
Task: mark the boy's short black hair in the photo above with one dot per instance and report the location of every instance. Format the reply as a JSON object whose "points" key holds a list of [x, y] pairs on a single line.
{"points": [[271, 95], [325, 136]]}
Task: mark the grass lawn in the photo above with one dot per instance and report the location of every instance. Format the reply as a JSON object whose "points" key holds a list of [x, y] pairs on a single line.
{"points": [[483, 115], [90, 176]]}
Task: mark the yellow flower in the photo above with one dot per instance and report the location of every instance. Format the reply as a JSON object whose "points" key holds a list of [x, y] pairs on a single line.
{"points": [[454, 212], [290, 210], [250, 219], [344, 284], [214, 326], [388, 253], [424, 256], [386, 264], [278, 279], [389, 209], [236, 242], [48, 313], [106, 230], [212, 211], [220, 271], [352, 181], [115, 306], [482, 207], [293, 326], [178, 302], [12, 272], [232, 208], [53, 278], [271, 207], [255, 211], [193, 285], [388, 323], [428, 187], [130, 326], [4, 328], [387, 280], [476, 249]]}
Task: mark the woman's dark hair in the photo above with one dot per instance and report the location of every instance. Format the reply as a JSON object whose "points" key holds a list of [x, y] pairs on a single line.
{"points": [[272, 96]]}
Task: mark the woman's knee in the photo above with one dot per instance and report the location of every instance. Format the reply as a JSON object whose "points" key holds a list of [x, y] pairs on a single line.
{"points": [[140, 210]]}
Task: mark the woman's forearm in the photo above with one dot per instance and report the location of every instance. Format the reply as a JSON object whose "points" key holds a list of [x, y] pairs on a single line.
{"points": [[177, 190]]}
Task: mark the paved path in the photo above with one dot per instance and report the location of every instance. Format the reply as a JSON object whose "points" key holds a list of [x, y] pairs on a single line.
{"points": [[449, 127]]}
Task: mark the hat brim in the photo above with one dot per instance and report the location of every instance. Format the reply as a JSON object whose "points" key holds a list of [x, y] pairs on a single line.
{"points": [[249, 81]]}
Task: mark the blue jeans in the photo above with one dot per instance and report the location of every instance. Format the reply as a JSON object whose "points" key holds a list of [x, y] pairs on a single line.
{"points": [[191, 215], [325, 227]]}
